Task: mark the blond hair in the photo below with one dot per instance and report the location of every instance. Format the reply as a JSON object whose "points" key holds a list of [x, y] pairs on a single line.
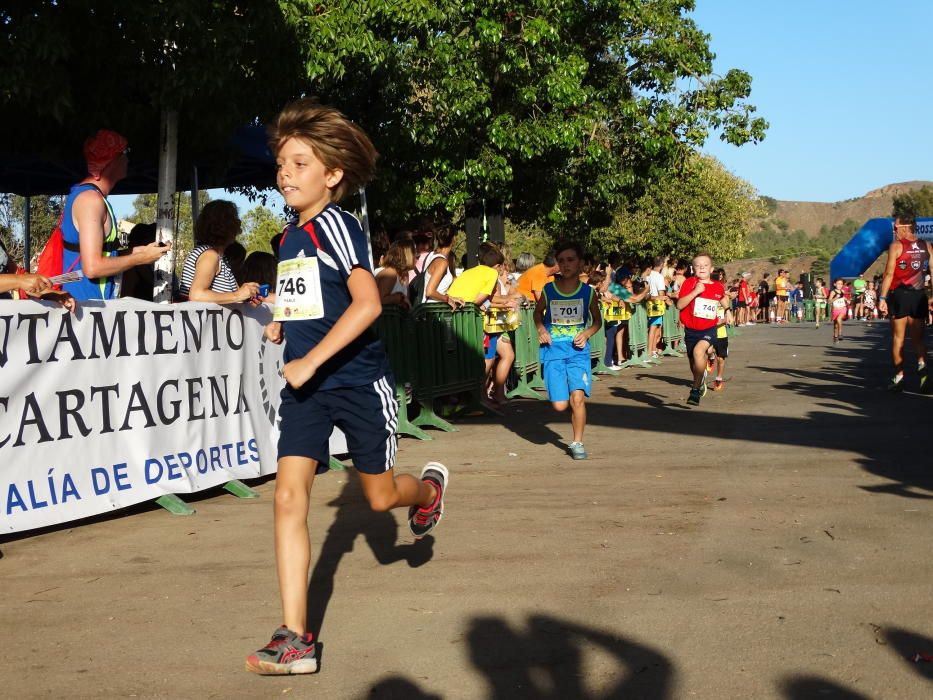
{"points": [[336, 141]]}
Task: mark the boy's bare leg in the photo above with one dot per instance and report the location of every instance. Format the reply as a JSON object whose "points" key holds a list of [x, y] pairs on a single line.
{"points": [[698, 362], [578, 414], [292, 542], [501, 373], [898, 331], [389, 490]]}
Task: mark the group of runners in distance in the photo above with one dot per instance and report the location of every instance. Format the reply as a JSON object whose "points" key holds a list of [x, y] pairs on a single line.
{"points": [[337, 373]]}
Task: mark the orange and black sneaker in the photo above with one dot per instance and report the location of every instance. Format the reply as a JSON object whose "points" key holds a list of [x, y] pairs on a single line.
{"points": [[717, 385], [286, 653]]}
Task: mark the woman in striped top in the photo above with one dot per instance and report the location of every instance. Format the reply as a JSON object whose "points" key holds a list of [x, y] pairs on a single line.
{"points": [[206, 274]]}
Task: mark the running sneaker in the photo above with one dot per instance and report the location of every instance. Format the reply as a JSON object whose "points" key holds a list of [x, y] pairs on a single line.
{"points": [[703, 387], [577, 451], [897, 384], [717, 385], [287, 653], [926, 386], [694, 398], [422, 520]]}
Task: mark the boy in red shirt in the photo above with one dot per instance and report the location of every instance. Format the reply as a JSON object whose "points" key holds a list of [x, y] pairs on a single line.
{"points": [[699, 301]]}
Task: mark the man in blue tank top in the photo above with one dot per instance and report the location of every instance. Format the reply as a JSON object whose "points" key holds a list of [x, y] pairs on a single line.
{"points": [[567, 316], [89, 227]]}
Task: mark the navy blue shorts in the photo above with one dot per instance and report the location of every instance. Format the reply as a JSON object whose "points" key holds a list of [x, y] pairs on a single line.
{"points": [[367, 415], [692, 337]]}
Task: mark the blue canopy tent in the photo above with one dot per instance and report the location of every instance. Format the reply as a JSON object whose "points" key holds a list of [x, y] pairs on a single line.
{"points": [[247, 162]]}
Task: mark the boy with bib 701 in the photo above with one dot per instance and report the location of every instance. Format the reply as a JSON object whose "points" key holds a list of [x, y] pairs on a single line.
{"points": [[567, 316], [699, 302], [336, 370]]}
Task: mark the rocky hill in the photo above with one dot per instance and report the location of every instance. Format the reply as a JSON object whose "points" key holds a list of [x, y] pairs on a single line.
{"points": [[810, 216]]}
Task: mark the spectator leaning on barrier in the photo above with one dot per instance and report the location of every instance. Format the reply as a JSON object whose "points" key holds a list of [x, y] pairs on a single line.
{"points": [[206, 274], [480, 285], [336, 370], [657, 303], [89, 226], [533, 280], [392, 277], [437, 274]]}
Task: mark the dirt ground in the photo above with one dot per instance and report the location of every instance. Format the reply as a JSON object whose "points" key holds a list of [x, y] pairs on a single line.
{"points": [[773, 543]]}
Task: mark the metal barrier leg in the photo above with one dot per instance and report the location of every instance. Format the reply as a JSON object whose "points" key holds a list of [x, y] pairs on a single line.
{"points": [[405, 426], [524, 388], [428, 418], [239, 489], [174, 505]]}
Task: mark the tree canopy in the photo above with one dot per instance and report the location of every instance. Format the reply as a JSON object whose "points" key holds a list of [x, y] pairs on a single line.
{"points": [[565, 111], [698, 207], [915, 203]]}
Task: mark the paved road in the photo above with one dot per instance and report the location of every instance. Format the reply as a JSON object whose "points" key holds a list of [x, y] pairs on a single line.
{"points": [[773, 543]]}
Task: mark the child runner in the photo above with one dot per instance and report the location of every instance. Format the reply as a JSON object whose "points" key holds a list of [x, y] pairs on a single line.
{"points": [[699, 301], [721, 343], [567, 316], [839, 308], [819, 301], [336, 371]]}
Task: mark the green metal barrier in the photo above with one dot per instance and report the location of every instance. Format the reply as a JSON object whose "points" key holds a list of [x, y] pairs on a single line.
{"points": [[447, 351], [672, 333], [393, 328], [638, 338], [809, 310], [527, 357], [598, 352]]}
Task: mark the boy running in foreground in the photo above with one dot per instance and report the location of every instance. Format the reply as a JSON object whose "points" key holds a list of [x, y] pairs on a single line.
{"points": [[567, 316], [336, 370], [699, 301]]}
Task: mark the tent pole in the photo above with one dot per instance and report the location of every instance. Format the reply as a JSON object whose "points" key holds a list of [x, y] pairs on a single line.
{"points": [[27, 237], [165, 223], [195, 204]]}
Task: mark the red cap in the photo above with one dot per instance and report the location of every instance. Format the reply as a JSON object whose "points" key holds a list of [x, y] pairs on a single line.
{"points": [[101, 149]]}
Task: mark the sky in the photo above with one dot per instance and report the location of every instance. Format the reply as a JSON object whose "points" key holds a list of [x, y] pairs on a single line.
{"points": [[847, 86]]}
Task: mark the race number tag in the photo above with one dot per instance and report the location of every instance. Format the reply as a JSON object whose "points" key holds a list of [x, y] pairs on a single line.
{"points": [[567, 312], [839, 303], [705, 308], [298, 294]]}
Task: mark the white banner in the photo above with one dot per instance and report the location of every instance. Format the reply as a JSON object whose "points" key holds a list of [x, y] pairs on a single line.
{"points": [[126, 401]]}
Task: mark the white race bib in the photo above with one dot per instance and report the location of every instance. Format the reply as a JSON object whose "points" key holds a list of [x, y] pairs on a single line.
{"points": [[705, 308], [567, 312], [298, 293], [839, 303]]}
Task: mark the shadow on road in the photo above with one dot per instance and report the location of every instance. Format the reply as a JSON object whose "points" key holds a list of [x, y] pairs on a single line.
{"points": [[914, 649], [545, 661], [851, 412], [815, 688], [354, 517]]}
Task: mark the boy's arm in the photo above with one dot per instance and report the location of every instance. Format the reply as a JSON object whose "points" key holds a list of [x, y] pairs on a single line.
{"points": [[365, 307], [596, 315], [683, 300], [89, 213], [543, 336], [894, 252]]}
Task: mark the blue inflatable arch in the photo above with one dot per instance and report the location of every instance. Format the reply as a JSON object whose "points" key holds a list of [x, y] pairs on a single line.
{"points": [[868, 244]]}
